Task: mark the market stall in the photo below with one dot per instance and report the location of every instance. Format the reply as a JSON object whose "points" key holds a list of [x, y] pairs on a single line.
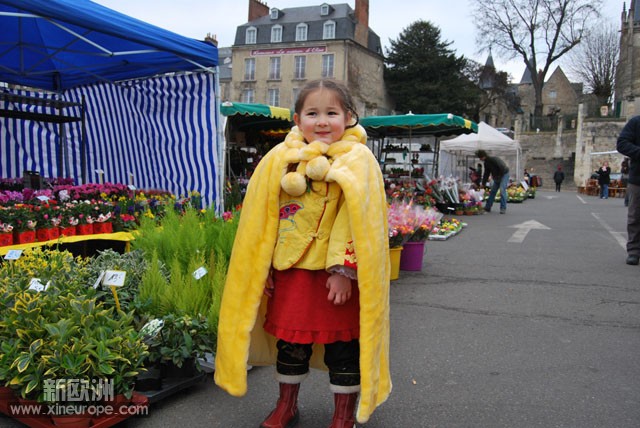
{"points": [[250, 130], [458, 154], [404, 134], [143, 126]]}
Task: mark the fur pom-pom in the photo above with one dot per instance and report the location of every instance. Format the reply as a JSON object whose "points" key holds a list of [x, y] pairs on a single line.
{"points": [[317, 168], [294, 183]]}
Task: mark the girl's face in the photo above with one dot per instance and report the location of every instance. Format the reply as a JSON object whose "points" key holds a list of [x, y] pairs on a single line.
{"points": [[322, 117]]}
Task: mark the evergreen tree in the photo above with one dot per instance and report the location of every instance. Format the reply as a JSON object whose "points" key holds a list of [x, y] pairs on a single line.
{"points": [[424, 76]]}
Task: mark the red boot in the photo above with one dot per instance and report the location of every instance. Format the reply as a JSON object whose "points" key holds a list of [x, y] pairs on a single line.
{"points": [[343, 417], [285, 415]]}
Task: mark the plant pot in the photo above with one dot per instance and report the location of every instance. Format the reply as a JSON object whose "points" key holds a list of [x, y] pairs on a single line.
{"points": [[84, 229], [149, 380], [412, 256], [188, 369], [43, 235], [6, 396], [72, 421], [26, 237], [118, 227], [68, 231], [106, 227], [6, 239], [394, 256]]}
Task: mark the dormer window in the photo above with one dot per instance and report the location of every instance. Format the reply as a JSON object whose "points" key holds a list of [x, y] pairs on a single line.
{"points": [[301, 32], [275, 13], [329, 30], [276, 34], [324, 9], [251, 35]]}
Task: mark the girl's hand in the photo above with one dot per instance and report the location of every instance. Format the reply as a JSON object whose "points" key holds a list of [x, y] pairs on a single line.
{"points": [[269, 286], [339, 289]]}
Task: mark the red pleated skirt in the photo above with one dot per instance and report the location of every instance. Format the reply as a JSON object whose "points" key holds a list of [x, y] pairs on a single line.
{"points": [[299, 312]]}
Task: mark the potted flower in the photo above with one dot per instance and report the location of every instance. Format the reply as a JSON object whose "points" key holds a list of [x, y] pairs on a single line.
{"points": [[68, 220], [86, 213], [49, 218], [6, 228], [423, 221], [24, 224]]}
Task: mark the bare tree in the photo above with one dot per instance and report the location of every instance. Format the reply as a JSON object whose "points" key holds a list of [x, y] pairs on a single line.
{"points": [[594, 61], [538, 31]]}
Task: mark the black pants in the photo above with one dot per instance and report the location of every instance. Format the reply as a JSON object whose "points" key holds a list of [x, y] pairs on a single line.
{"points": [[558, 186], [342, 358]]}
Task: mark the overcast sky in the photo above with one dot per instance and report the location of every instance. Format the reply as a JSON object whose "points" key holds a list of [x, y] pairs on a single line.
{"points": [[196, 18]]}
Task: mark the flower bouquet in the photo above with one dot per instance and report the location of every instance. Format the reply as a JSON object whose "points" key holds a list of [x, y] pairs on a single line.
{"points": [[401, 223], [425, 219]]}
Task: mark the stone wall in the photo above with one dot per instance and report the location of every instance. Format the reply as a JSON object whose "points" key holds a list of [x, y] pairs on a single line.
{"points": [[573, 148]]}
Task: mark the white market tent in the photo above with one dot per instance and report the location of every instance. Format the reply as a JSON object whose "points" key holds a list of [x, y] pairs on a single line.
{"points": [[458, 154]]}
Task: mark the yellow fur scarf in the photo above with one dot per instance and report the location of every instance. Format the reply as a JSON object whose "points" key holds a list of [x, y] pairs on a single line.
{"points": [[241, 339]]}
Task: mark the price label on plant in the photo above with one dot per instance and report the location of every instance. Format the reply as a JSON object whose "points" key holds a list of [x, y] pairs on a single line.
{"points": [[200, 272], [38, 286], [13, 255], [131, 187], [99, 280], [42, 198], [114, 278]]}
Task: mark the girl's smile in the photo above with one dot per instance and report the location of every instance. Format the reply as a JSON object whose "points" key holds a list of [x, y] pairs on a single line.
{"points": [[322, 118]]}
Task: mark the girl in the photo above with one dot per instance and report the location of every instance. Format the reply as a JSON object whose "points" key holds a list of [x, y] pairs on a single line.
{"points": [[308, 281]]}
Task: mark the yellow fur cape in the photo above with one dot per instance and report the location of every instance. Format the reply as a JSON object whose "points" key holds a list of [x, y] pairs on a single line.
{"points": [[241, 338]]}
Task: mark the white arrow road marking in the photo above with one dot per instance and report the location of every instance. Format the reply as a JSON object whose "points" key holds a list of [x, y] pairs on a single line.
{"points": [[524, 228], [550, 197], [618, 236]]}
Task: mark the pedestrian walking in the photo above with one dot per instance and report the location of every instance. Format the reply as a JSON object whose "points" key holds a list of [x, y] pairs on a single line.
{"points": [[558, 177], [499, 172], [308, 281], [629, 145]]}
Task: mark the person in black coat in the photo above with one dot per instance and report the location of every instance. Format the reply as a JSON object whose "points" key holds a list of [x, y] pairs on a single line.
{"points": [[558, 177], [629, 145], [604, 178]]}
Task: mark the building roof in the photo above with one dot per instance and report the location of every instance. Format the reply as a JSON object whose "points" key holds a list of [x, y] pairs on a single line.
{"points": [[342, 14]]}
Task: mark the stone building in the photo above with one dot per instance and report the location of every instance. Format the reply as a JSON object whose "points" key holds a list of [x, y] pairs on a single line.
{"points": [[278, 50], [627, 85]]}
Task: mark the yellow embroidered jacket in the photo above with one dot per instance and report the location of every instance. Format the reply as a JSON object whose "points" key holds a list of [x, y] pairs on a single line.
{"points": [[241, 338]]}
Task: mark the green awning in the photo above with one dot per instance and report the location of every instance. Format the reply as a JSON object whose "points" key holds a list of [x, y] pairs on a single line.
{"points": [[261, 118], [408, 125], [230, 109]]}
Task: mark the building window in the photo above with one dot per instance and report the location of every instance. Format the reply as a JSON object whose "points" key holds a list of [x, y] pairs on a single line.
{"points": [[553, 95], [327, 65], [296, 92], [276, 34], [248, 96], [274, 97], [274, 68], [301, 32], [274, 13], [300, 64], [250, 69], [329, 30], [324, 10], [251, 36]]}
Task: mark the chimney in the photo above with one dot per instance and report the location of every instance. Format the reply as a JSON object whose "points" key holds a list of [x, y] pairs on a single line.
{"points": [[257, 9], [362, 22]]}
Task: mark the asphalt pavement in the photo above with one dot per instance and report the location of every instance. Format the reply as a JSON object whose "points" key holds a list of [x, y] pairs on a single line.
{"points": [[528, 319]]}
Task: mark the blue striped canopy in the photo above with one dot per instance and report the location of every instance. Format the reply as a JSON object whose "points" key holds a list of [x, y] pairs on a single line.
{"points": [[60, 44]]}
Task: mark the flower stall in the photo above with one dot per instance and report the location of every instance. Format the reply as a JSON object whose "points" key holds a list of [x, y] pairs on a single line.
{"points": [[160, 321]]}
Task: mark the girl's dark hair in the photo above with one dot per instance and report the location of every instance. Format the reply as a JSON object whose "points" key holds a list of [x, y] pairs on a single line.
{"points": [[339, 88]]}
